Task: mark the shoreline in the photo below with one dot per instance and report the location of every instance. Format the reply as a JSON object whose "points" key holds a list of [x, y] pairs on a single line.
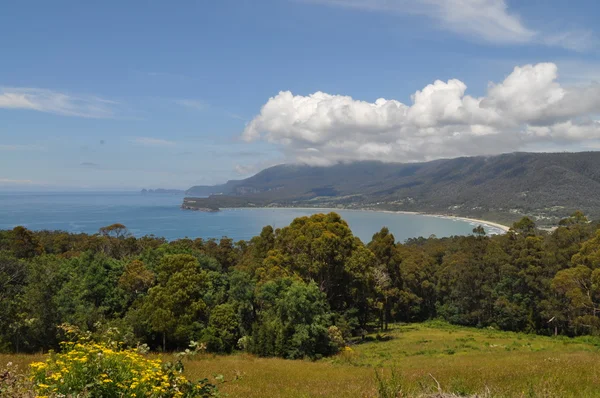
{"points": [[484, 223]]}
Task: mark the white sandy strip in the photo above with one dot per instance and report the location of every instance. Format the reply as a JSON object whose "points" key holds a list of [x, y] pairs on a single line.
{"points": [[478, 222], [473, 221]]}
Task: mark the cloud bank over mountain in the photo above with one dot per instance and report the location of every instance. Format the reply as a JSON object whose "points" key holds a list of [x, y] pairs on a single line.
{"points": [[530, 106]]}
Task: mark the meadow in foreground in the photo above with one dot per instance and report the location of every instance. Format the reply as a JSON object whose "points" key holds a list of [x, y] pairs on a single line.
{"points": [[464, 361]]}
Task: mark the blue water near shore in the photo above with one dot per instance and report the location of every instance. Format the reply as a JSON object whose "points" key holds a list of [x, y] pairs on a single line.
{"points": [[160, 215]]}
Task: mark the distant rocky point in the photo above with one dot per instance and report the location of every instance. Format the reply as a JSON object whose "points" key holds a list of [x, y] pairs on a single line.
{"points": [[192, 204]]}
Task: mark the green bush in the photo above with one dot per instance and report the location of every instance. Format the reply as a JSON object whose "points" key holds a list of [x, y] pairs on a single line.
{"points": [[296, 326], [223, 331]]}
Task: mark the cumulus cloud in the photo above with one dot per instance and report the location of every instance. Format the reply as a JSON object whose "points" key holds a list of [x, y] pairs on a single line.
{"points": [[443, 121], [488, 20], [55, 102]]}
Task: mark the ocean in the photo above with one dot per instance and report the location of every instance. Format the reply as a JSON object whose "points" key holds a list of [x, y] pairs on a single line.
{"points": [[160, 215]]}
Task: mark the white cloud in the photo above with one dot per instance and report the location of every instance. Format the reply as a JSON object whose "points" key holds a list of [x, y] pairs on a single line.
{"points": [[529, 106], [487, 20], [192, 104], [149, 141], [578, 40], [55, 102], [244, 169], [253, 168]]}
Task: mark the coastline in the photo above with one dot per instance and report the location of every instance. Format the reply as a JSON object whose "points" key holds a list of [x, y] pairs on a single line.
{"points": [[484, 223]]}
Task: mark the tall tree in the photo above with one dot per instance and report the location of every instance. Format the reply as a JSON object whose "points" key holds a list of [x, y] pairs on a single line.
{"points": [[174, 307]]}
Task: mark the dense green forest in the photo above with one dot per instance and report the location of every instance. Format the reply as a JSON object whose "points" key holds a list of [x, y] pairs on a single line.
{"points": [[299, 291]]}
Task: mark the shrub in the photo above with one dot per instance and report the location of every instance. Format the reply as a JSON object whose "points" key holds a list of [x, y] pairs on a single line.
{"points": [[243, 343], [348, 356], [336, 338], [102, 370]]}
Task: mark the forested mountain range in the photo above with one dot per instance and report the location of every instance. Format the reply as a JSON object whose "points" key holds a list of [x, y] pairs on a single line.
{"points": [[547, 186]]}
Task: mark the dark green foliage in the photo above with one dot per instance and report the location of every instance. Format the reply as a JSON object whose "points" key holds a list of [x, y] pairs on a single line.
{"points": [[294, 292], [24, 244], [223, 329], [294, 321], [175, 307], [12, 283]]}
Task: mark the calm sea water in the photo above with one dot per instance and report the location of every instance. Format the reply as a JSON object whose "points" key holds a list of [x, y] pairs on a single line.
{"points": [[160, 215]]}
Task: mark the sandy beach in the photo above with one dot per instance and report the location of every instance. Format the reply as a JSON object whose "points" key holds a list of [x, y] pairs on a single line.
{"points": [[484, 223], [489, 224], [480, 222]]}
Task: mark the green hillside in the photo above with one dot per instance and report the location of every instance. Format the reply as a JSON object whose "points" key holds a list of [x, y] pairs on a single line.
{"points": [[465, 361], [547, 186]]}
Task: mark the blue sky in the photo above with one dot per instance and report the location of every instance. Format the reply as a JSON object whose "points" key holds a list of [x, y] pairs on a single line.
{"points": [[127, 95]]}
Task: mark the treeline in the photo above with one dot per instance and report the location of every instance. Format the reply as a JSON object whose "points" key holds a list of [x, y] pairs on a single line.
{"points": [[299, 291]]}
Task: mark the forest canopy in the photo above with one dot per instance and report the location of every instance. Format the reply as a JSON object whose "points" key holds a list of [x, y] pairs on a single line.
{"points": [[299, 291]]}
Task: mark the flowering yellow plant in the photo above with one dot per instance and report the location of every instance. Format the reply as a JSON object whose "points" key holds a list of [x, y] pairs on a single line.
{"points": [[99, 370]]}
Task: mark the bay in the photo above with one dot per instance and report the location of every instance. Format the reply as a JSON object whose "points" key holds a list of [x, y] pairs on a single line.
{"points": [[160, 215]]}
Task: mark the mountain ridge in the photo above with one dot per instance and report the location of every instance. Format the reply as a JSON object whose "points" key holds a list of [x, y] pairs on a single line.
{"points": [[547, 186]]}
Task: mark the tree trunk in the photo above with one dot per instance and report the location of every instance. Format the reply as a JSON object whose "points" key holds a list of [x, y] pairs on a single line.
{"points": [[388, 312], [386, 321], [164, 342]]}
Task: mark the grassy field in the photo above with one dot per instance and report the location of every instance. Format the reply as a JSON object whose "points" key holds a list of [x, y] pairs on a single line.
{"points": [[463, 360]]}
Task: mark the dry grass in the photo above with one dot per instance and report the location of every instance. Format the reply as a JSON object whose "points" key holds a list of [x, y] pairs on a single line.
{"points": [[465, 362], [21, 361]]}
